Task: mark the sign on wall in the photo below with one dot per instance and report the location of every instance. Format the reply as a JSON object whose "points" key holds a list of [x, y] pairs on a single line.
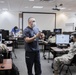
{"points": [[69, 27]]}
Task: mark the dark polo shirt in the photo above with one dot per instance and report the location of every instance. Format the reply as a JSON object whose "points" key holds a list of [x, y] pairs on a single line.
{"points": [[30, 32]]}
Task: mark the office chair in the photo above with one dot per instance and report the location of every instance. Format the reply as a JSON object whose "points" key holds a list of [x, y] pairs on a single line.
{"points": [[73, 62], [50, 50], [47, 33]]}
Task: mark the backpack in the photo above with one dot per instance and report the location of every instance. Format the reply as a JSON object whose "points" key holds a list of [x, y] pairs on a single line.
{"points": [[4, 50], [14, 70]]}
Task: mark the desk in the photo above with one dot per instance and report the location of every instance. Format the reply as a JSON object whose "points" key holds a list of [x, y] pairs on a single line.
{"points": [[7, 63], [56, 50], [15, 41], [60, 49]]}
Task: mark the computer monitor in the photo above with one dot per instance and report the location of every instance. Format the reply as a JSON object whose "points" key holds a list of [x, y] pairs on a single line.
{"points": [[57, 31], [0, 38], [62, 39], [7, 35]]}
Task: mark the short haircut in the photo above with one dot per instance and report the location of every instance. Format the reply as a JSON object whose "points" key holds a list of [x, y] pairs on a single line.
{"points": [[30, 18], [15, 27], [74, 35]]}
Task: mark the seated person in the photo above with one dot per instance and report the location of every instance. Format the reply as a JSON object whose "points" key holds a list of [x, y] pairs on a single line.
{"points": [[52, 38], [15, 31], [3, 47], [66, 58]]}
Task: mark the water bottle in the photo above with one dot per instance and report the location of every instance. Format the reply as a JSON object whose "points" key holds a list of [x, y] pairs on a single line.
{"points": [[1, 58]]}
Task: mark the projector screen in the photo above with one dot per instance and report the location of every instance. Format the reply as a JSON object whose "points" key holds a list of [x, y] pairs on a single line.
{"points": [[44, 21]]}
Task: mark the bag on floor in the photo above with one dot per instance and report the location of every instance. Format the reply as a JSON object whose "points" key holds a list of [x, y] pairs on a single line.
{"points": [[14, 70]]}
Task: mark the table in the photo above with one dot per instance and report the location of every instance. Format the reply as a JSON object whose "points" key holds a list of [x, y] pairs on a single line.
{"points": [[7, 64], [56, 50], [15, 41]]}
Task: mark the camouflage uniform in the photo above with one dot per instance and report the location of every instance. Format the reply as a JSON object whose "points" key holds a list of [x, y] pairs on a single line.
{"points": [[66, 58]]}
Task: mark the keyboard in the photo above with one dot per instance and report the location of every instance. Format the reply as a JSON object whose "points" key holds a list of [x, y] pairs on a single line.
{"points": [[62, 47]]}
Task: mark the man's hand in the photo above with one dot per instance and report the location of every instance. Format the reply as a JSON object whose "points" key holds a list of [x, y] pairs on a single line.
{"points": [[40, 35]]}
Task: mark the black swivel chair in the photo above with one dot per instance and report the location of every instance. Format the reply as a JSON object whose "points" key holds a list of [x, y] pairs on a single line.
{"points": [[73, 62], [47, 33]]}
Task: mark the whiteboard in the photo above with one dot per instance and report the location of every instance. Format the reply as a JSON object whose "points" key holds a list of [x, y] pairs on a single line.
{"points": [[43, 21]]}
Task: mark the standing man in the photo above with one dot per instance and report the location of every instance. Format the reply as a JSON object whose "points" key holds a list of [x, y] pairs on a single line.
{"points": [[31, 36]]}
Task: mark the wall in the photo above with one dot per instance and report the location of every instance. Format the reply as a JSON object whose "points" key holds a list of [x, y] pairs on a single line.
{"points": [[8, 20], [65, 18]]}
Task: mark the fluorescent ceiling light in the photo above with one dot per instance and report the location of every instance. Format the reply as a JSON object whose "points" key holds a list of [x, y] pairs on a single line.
{"points": [[1, 1], [31, 0], [37, 6], [5, 14]]}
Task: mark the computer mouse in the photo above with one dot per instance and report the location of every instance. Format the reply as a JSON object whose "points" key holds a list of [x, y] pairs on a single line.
{"points": [[2, 66]]}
